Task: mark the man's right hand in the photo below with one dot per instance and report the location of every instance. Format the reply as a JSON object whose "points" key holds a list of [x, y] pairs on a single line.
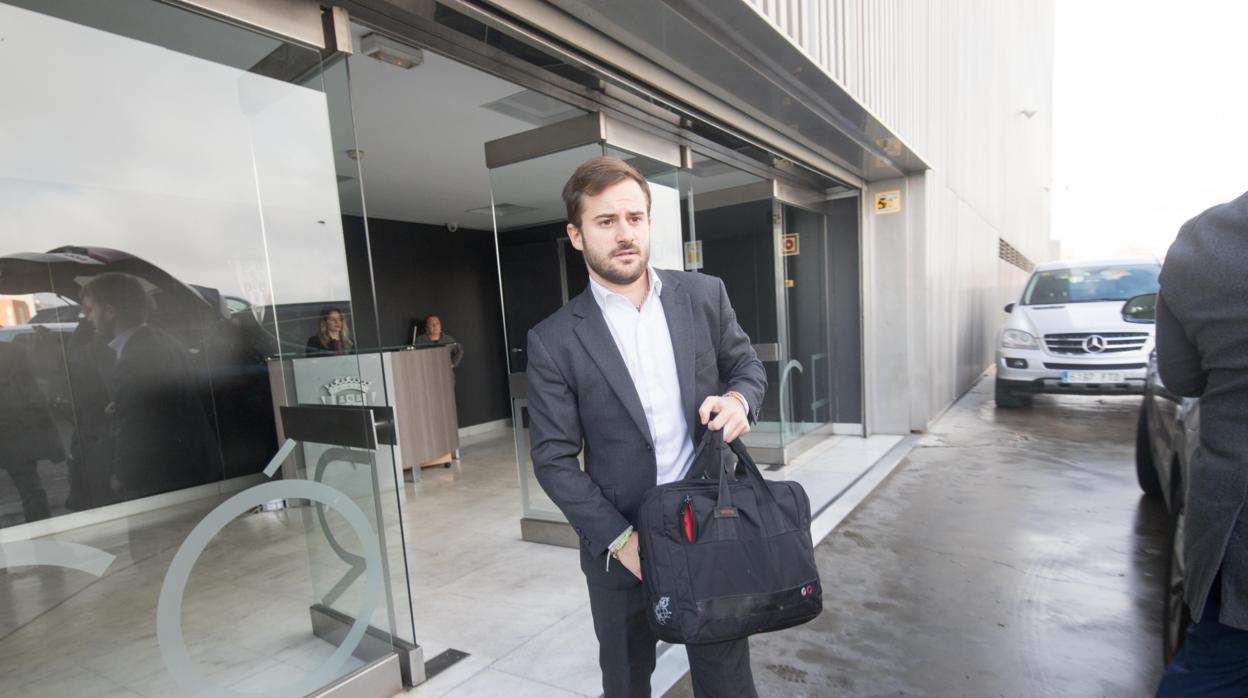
{"points": [[630, 556]]}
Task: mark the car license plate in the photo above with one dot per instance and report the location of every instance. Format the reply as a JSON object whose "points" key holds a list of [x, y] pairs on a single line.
{"points": [[1092, 377]]}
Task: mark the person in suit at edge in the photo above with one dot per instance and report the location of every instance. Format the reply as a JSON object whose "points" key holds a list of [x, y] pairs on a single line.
{"points": [[161, 436], [1202, 351], [633, 370]]}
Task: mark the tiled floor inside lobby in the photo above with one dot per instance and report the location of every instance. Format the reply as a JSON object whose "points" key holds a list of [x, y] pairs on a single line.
{"points": [[520, 610]]}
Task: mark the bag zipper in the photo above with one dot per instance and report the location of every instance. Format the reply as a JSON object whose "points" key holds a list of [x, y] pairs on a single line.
{"points": [[686, 518]]}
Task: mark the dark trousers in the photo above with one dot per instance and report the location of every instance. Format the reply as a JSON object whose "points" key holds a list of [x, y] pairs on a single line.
{"points": [[626, 651], [1213, 661], [25, 476]]}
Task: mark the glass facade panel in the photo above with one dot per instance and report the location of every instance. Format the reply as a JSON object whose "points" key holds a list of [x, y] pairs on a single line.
{"points": [[669, 188], [169, 227], [734, 231], [539, 274], [807, 384]]}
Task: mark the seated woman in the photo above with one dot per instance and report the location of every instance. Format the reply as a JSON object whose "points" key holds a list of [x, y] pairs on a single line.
{"points": [[332, 336], [434, 336]]}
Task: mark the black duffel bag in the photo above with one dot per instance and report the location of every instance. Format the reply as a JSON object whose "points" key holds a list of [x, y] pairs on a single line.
{"points": [[729, 557]]}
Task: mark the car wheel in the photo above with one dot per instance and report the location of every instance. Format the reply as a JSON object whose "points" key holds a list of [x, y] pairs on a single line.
{"points": [[1145, 469], [1005, 398], [1175, 615]]}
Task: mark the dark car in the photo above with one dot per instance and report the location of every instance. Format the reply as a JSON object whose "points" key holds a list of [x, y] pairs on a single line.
{"points": [[1166, 441]]}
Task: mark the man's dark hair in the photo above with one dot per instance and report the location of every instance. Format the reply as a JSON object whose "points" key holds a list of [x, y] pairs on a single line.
{"points": [[123, 292], [592, 177]]}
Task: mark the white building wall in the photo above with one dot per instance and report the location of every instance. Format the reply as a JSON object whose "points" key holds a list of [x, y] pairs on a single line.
{"points": [[967, 85]]}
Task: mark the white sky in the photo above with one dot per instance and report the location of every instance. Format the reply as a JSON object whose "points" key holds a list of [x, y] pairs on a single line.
{"points": [[1150, 123]]}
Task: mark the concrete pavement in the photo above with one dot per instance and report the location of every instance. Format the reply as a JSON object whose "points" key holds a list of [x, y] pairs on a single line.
{"points": [[1010, 554]]}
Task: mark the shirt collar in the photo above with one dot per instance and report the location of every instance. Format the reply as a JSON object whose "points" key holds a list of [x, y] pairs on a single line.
{"points": [[602, 293], [118, 343]]}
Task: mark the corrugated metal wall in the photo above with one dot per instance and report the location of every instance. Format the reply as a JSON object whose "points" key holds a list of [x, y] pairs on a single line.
{"points": [[967, 84]]}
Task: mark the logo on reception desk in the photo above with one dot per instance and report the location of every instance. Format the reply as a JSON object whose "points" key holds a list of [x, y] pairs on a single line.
{"points": [[348, 390]]}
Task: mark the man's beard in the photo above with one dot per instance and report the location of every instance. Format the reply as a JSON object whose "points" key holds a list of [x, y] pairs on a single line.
{"points": [[601, 265], [103, 331]]}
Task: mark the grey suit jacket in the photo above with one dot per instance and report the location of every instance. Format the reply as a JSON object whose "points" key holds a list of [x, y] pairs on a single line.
{"points": [[1202, 351], [581, 396]]}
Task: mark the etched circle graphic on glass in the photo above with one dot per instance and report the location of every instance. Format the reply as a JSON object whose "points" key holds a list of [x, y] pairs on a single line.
{"points": [[169, 608]]}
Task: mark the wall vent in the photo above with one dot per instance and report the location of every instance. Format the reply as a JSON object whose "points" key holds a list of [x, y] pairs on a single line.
{"points": [[1007, 252]]}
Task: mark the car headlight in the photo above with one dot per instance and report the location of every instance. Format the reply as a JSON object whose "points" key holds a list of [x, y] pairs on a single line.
{"points": [[1018, 339]]}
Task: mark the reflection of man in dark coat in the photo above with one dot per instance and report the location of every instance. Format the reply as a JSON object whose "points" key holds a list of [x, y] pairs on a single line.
{"points": [[27, 432], [161, 433], [82, 397]]}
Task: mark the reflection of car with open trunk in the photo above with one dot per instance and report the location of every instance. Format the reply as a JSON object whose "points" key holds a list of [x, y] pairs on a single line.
{"points": [[1067, 333], [227, 356]]}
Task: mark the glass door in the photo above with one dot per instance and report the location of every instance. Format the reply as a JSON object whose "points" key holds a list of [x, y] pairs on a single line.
{"points": [[733, 234], [805, 388], [539, 272], [767, 241], [171, 247]]}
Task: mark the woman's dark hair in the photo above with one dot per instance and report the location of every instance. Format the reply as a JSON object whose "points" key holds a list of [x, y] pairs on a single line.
{"points": [[322, 329]]}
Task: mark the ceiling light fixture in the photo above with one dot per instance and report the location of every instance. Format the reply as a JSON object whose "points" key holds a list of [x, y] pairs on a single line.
{"points": [[501, 210], [387, 51]]}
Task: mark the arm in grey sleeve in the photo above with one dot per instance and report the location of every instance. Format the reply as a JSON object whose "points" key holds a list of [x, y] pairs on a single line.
{"points": [[457, 353], [1178, 359], [739, 366], [555, 440]]}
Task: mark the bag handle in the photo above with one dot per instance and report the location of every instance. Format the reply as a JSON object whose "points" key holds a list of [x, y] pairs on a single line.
{"points": [[698, 469], [745, 467], [756, 481], [754, 477], [716, 438]]}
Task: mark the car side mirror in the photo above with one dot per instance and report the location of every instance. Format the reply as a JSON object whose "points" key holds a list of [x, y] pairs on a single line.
{"points": [[1142, 309], [1009, 307]]}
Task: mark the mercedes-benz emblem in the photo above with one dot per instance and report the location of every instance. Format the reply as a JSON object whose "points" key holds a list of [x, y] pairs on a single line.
{"points": [[1095, 344]]}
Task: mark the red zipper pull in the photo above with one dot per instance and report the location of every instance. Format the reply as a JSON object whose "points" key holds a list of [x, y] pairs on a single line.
{"points": [[686, 515]]}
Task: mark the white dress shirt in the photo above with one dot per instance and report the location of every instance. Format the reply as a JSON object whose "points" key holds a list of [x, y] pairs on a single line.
{"points": [[118, 343], [645, 343]]}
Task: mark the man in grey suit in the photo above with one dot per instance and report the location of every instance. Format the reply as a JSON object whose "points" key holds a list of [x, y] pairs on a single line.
{"points": [[1202, 351], [619, 372]]}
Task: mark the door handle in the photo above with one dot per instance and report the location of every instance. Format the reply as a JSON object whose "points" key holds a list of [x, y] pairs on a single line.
{"points": [[340, 425]]}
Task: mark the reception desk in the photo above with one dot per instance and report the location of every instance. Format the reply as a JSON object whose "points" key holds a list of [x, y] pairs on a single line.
{"points": [[418, 384]]}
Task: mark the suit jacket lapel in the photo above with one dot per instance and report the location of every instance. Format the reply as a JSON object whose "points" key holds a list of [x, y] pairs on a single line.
{"points": [[679, 311], [596, 337]]}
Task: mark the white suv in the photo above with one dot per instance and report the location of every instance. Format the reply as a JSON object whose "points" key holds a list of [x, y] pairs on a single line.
{"points": [[1068, 333]]}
